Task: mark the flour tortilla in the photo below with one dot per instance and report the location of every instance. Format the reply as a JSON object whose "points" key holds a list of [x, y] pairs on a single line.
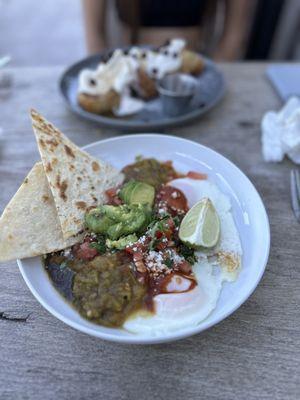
{"points": [[29, 225], [76, 179]]}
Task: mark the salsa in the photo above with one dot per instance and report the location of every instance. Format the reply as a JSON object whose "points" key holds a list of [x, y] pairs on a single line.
{"points": [[150, 171], [131, 250]]}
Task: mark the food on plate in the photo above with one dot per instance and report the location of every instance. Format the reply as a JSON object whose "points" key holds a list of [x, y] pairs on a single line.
{"points": [[76, 179], [191, 63], [29, 225], [145, 249], [121, 84], [150, 171], [99, 104], [144, 86], [47, 212], [201, 225]]}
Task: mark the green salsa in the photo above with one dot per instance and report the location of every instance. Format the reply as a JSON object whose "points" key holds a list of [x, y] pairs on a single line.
{"points": [[104, 290], [150, 171]]}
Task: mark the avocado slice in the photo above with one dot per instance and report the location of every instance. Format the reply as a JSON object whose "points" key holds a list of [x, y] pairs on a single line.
{"points": [[117, 221], [126, 190], [135, 192], [121, 243], [96, 220]]}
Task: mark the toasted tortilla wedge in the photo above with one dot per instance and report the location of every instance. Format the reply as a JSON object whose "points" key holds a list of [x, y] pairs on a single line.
{"points": [[76, 179], [29, 225]]}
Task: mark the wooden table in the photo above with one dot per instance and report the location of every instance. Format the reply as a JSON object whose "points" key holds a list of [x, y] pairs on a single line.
{"points": [[253, 354]]}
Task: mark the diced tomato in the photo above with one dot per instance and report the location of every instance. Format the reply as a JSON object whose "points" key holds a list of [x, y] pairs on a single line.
{"points": [[168, 234], [113, 198], [196, 175], [174, 198], [137, 256], [111, 192], [158, 234], [85, 252], [129, 250], [116, 201], [161, 245], [185, 267]]}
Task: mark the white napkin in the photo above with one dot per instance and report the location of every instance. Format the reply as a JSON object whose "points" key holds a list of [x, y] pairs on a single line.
{"points": [[281, 132]]}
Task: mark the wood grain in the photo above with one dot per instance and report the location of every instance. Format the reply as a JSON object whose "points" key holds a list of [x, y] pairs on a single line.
{"points": [[254, 354]]}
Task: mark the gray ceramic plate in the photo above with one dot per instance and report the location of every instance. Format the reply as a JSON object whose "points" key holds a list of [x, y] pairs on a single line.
{"points": [[211, 89]]}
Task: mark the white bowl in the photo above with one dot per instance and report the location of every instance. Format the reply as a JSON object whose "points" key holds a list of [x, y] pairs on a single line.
{"points": [[248, 211]]}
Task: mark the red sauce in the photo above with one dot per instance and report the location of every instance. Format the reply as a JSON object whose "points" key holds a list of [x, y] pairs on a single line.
{"points": [[196, 175], [160, 286], [173, 199]]}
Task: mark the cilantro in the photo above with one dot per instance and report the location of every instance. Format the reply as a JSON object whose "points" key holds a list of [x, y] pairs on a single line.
{"points": [[168, 262], [176, 221], [100, 245], [154, 242], [160, 225], [187, 253], [164, 215]]}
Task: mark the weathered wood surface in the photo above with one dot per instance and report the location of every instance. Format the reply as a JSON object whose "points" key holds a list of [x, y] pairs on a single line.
{"points": [[254, 354]]}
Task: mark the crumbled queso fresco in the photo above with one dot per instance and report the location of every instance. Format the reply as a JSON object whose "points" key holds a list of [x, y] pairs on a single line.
{"points": [[155, 264]]}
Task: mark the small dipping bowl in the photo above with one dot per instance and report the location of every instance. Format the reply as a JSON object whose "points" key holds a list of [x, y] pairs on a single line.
{"points": [[176, 92]]}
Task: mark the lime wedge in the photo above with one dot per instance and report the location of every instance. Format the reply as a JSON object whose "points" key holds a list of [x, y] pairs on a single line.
{"points": [[201, 225]]}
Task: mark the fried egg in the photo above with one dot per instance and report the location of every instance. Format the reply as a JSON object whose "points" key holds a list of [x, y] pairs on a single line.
{"points": [[227, 253], [181, 309]]}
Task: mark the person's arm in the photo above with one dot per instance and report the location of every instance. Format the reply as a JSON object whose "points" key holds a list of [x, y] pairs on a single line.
{"points": [[238, 20], [94, 12]]}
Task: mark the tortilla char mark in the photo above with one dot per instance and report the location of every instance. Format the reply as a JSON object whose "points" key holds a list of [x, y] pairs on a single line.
{"points": [[81, 205], [40, 124], [69, 151], [62, 187], [95, 166], [52, 143], [48, 167]]}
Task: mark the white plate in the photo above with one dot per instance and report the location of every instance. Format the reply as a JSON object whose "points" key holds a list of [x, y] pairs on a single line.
{"points": [[248, 211]]}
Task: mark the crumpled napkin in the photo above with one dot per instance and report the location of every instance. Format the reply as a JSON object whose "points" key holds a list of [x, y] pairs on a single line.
{"points": [[281, 133]]}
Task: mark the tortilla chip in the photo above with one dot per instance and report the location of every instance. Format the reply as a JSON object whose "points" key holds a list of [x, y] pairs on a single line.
{"points": [[29, 225], [76, 179]]}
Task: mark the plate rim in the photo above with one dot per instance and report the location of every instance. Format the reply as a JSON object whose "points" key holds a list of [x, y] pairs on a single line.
{"points": [[137, 126], [173, 336]]}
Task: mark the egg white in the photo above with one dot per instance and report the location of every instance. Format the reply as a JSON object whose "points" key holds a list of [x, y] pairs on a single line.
{"points": [[178, 310], [229, 246], [175, 311]]}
